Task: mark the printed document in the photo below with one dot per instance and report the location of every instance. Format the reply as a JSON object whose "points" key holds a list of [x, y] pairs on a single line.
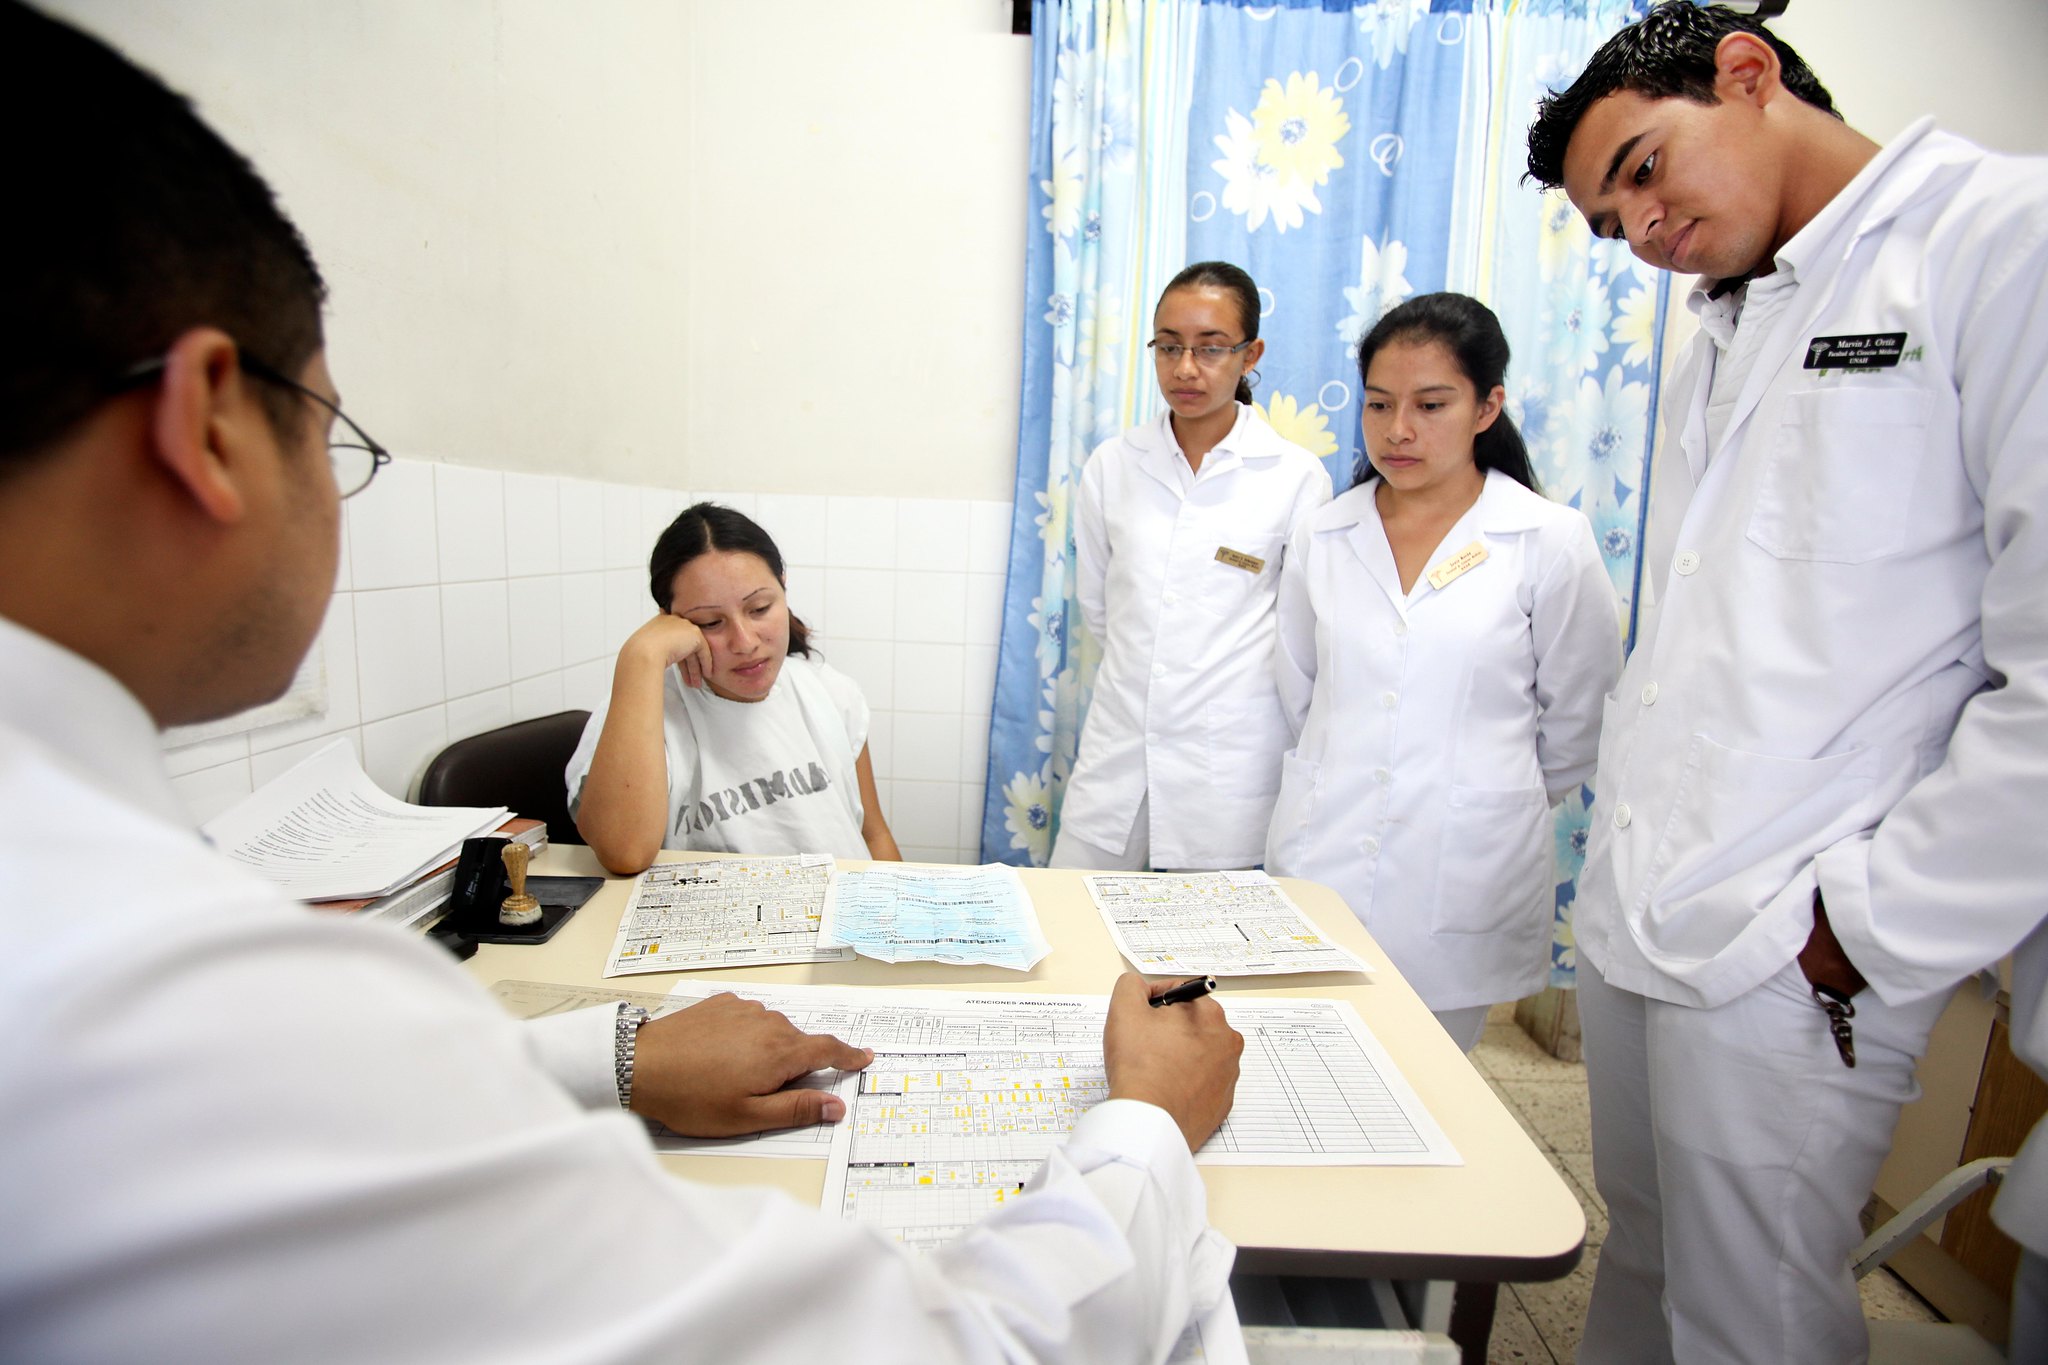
{"points": [[851, 1013], [1314, 1087], [322, 830], [1223, 923], [734, 912], [929, 914]]}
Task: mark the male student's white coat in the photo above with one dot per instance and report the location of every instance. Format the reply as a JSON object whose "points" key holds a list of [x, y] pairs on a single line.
{"points": [[1840, 681], [1436, 728], [1186, 718]]}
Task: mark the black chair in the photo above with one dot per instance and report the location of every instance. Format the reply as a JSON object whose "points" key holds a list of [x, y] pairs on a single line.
{"points": [[518, 765]]}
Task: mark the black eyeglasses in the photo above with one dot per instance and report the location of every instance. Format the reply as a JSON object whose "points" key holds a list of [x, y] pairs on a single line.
{"points": [[1170, 352], [355, 462]]}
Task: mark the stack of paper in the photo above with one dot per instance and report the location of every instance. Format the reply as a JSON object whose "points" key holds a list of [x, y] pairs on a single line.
{"points": [[323, 831], [417, 900]]}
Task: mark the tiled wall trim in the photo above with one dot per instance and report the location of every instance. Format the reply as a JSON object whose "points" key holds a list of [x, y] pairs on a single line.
{"points": [[468, 598]]}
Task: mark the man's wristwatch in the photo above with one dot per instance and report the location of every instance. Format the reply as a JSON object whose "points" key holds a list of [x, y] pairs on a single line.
{"points": [[625, 1038]]}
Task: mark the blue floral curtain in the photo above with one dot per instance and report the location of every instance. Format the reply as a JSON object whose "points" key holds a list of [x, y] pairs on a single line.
{"points": [[1584, 318], [1348, 155]]}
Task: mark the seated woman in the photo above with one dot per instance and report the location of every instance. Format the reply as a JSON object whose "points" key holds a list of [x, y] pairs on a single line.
{"points": [[723, 733]]}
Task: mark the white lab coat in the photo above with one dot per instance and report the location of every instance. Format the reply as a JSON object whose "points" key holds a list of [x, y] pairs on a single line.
{"points": [[1841, 675], [237, 1129], [1436, 728], [1185, 708]]}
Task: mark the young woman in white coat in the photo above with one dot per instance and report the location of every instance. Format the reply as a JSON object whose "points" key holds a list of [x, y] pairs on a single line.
{"points": [[1447, 635], [1179, 529]]}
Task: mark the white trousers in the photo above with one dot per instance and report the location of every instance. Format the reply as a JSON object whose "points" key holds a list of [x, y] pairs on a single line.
{"points": [[1466, 1026], [1072, 852], [2029, 1339], [1735, 1151], [1079, 855]]}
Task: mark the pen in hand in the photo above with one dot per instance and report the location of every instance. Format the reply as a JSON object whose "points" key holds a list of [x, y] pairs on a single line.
{"points": [[1185, 991]]}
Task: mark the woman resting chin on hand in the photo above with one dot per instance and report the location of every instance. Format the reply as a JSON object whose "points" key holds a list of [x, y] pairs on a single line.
{"points": [[723, 732]]}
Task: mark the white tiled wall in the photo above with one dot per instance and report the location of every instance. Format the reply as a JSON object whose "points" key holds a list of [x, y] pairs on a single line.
{"points": [[468, 598]]}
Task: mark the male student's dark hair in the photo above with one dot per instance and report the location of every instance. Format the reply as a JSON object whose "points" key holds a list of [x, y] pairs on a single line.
{"points": [[143, 225], [1667, 54]]}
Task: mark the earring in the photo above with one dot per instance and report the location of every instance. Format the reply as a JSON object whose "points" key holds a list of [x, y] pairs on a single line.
{"points": [[1251, 377]]}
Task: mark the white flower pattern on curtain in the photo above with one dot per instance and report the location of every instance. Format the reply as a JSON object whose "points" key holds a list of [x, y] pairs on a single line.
{"points": [[1348, 156], [1584, 319]]}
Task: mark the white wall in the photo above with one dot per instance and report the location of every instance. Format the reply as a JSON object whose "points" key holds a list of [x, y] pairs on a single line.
{"points": [[718, 245], [857, 180], [495, 191], [1976, 65]]}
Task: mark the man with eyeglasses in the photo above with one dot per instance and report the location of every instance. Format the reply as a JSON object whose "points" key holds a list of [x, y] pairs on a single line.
{"points": [[232, 1129]]}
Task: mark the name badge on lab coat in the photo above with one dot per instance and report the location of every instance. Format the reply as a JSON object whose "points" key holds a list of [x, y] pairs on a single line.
{"points": [[1471, 557], [1238, 559]]}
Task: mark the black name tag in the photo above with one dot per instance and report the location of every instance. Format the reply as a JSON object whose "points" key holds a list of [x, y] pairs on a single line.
{"points": [[1867, 351]]}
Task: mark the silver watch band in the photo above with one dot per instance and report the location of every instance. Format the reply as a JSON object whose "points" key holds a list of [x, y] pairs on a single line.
{"points": [[625, 1040]]}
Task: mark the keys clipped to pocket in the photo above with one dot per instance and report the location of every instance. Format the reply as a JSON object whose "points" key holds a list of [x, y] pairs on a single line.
{"points": [[1839, 1012]]}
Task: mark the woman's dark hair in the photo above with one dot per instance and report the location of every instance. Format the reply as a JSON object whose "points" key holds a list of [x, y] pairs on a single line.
{"points": [[1467, 329], [1223, 275], [1666, 54], [708, 526]]}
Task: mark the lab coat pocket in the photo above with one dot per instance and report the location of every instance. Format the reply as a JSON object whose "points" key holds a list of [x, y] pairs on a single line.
{"points": [[1743, 828], [1494, 863], [1227, 586], [1837, 485]]}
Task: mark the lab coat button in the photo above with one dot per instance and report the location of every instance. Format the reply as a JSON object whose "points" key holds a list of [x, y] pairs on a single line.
{"points": [[1389, 700], [1649, 694], [1400, 627], [1382, 776], [1686, 562], [1622, 815], [1171, 598], [1372, 845], [1159, 670]]}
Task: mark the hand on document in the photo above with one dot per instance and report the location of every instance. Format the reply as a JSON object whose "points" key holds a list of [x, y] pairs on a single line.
{"points": [[1182, 1058], [718, 1068]]}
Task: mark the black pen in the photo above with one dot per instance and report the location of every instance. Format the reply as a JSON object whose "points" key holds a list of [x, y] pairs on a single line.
{"points": [[1185, 991]]}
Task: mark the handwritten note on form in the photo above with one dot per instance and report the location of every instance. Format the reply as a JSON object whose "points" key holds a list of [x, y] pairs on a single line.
{"points": [[737, 912], [932, 914], [1225, 923]]}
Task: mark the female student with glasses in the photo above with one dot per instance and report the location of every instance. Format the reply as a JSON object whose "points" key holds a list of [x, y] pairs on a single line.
{"points": [[1179, 529]]}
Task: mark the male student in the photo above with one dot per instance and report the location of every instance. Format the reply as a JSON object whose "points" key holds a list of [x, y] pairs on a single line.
{"points": [[1821, 775], [231, 1129]]}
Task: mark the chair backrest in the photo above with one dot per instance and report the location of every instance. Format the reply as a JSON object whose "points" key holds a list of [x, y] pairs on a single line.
{"points": [[518, 765]]}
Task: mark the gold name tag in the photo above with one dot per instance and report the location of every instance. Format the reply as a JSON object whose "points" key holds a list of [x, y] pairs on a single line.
{"points": [[1471, 557], [1238, 559]]}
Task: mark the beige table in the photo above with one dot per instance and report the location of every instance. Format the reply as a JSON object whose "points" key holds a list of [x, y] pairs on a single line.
{"points": [[1502, 1216]]}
